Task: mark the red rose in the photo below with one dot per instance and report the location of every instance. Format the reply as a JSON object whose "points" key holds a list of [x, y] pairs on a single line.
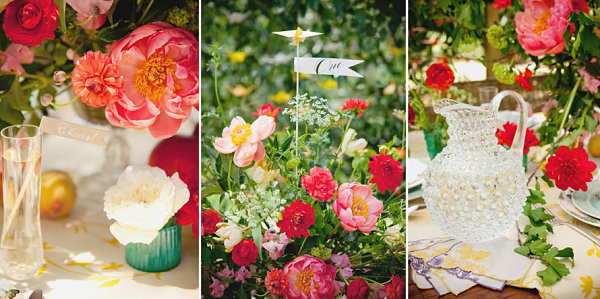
{"points": [[439, 76], [244, 253], [358, 289], [320, 184], [296, 219], [506, 137], [356, 105], [210, 218], [29, 22], [387, 172], [268, 110], [580, 5], [523, 79], [411, 114], [395, 289], [570, 168], [499, 4]]}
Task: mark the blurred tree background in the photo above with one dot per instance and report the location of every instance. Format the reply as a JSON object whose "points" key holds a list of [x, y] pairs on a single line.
{"points": [[257, 66]]}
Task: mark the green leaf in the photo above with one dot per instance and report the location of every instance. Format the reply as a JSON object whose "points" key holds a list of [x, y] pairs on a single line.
{"points": [[566, 252], [539, 214], [535, 197], [62, 5], [257, 236], [549, 182], [592, 42], [559, 267], [6, 80], [539, 231], [17, 98], [114, 32], [539, 247], [206, 254], [9, 114], [549, 276], [523, 250]]}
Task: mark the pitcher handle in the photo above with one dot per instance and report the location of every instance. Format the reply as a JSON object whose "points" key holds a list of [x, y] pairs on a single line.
{"points": [[519, 139]]}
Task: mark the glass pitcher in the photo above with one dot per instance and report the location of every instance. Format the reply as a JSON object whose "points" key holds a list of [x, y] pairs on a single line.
{"points": [[475, 189]]}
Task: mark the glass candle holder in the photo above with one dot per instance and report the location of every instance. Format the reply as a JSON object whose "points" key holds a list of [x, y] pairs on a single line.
{"points": [[21, 253]]}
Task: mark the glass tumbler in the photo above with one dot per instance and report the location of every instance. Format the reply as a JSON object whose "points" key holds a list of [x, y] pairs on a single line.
{"points": [[21, 253], [486, 93]]}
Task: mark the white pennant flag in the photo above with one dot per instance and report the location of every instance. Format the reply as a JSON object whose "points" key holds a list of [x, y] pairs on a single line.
{"points": [[326, 66]]}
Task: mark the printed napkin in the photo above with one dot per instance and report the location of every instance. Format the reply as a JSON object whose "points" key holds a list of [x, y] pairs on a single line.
{"points": [[452, 266]]}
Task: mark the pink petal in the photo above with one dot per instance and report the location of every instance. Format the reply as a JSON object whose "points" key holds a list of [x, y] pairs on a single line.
{"points": [[244, 154], [263, 127], [260, 152]]}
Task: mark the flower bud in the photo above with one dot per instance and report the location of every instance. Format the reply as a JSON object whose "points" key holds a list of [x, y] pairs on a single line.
{"points": [[60, 77], [46, 99], [384, 150]]}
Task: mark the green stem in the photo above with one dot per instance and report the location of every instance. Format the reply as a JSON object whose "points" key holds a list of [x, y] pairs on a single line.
{"points": [[304, 240], [229, 174], [585, 111], [333, 232], [219, 107], [65, 104], [569, 103], [145, 11]]}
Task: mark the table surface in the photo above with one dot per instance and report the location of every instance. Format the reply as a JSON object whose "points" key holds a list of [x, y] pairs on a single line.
{"points": [[82, 258]]}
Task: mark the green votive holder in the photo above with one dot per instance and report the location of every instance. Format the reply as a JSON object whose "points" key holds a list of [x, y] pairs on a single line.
{"points": [[162, 254]]}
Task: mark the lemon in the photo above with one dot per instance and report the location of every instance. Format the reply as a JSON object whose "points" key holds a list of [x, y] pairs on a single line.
{"points": [[58, 194], [594, 146]]}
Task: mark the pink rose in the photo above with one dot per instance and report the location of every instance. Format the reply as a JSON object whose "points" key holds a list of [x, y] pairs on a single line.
{"points": [[94, 10], [357, 207], [159, 65], [245, 139], [15, 55], [320, 184], [274, 243], [540, 27], [309, 277]]}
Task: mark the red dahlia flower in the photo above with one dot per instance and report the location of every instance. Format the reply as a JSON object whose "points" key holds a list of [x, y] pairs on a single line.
{"points": [[320, 184], [276, 282], [358, 289], [439, 76], [356, 105], [267, 110], [506, 137], [210, 218], [523, 79], [29, 22], [244, 253], [395, 289], [296, 219], [387, 172], [570, 168]]}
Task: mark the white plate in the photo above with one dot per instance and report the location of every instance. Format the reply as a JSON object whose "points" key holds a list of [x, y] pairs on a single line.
{"points": [[414, 172], [588, 201], [567, 205]]}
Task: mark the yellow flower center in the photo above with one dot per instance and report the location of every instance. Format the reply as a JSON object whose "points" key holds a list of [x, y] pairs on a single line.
{"points": [[150, 79], [240, 134], [359, 207], [303, 281], [541, 24]]}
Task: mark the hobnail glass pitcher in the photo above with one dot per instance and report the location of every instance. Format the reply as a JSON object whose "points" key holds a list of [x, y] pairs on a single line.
{"points": [[475, 189]]}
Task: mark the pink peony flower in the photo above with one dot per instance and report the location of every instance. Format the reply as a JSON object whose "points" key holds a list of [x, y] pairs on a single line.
{"points": [[274, 243], [320, 184], [217, 288], [96, 80], [15, 55], [342, 261], [541, 26], [309, 277], [94, 10], [159, 65], [357, 207], [245, 139], [590, 82], [242, 274]]}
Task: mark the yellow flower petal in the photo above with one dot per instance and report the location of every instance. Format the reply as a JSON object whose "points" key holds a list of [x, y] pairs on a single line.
{"points": [[237, 56], [281, 97], [241, 91], [329, 84]]}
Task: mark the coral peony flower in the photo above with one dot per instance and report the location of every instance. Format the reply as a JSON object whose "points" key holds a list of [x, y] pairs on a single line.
{"points": [[395, 289], [274, 243], [590, 82], [439, 76], [14, 56], [309, 277], [29, 22], [320, 184], [96, 80], [276, 282], [570, 168], [342, 261], [262, 172], [244, 139], [231, 233], [296, 218], [159, 65], [244, 253], [387, 172], [217, 288], [506, 136], [541, 26], [358, 289], [499, 4], [357, 208], [142, 202], [356, 105], [267, 110], [210, 218], [523, 79], [242, 274], [91, 12]]}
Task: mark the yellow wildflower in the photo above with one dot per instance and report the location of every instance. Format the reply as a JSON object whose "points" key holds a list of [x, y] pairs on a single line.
{"points": [[241, 91], [329, 84], [281, 97], [237, 56], [396, 51]]}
